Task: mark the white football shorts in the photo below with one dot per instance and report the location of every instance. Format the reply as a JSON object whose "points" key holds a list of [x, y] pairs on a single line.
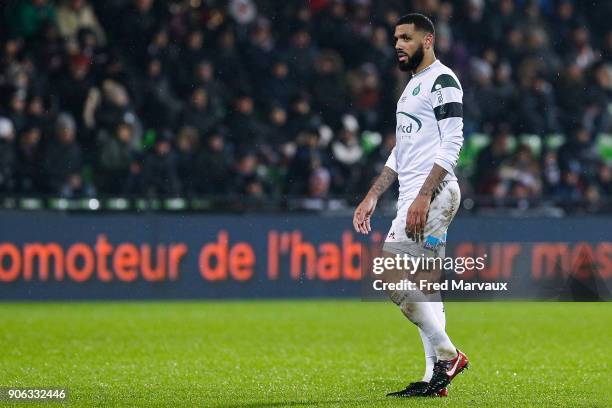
{"points": [[442, 210]]}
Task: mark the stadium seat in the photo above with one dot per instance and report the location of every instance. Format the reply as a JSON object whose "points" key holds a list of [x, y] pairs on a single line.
{"points": [[604, 146], [554, 141], [533, 141]]}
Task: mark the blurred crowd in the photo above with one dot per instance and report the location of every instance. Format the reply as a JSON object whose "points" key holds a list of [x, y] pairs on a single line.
{"points": [[269, 99]]}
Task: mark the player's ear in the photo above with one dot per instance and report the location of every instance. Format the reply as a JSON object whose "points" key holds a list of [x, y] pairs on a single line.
{"points": [[428, 40]]}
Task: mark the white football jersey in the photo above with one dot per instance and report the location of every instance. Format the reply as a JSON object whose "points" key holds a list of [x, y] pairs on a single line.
{"points": [[429, 128]]}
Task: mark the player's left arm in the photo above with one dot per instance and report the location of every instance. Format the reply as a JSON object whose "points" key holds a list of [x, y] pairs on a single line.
{"points": [[446, 98]]}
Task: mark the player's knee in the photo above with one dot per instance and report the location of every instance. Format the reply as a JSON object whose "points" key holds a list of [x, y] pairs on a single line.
{"points": [[407, 307], [398, 296], [406, 300]]}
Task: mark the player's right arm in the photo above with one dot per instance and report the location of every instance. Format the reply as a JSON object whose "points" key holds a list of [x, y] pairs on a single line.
{"points": [[364, 211]]}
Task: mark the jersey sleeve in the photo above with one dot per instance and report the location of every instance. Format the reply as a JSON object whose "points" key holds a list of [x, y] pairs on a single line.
{"points": [[447, 100], [392, 160]]}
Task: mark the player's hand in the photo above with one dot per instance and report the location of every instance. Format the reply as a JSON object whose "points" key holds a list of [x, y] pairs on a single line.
{"points": [[417, 218], [363, 214]]}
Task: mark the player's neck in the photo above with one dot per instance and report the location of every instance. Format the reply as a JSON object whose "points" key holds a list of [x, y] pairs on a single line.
{"points": [[427, 61]]}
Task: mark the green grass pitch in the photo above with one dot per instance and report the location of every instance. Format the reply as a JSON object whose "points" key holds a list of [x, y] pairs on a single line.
{"points": [[302, 353]]}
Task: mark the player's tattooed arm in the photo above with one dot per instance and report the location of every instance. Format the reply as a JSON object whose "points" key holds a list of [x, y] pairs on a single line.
{"points": [[364, 211], [435, 177], [386, 178]]}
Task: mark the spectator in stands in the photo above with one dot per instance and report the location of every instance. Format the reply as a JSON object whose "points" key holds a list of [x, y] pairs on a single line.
{"points": [[191, 54], [604, 179], [135, 182], [17, 110], [63, 159], [276, 132], [551, 172], [308, 156], [278, 86], [50, 51], [500, 18], [30, 177], [598, 96], [537, 111], [7, 155], [332, 31], [162, 49], [580, 47], [160, 107], [276, 137], [245, 129], [481, 98], [29, 16], [319, 183], [115, 153], [187, 144], [579, 154], [519, 176], [301, 54], [38, 112], [278, 78], [366, 91], [228, 62], [606, 51], [76, 15], [301, 116], [213, 164], [204, 77], [160, 170], [111, 105], [243, 12], [261, 49], [381, 52], [245, 178], [569, 190], [73, 87], [571, 97], [486, 175], [347, 153], [330, 92], [137, 26], [75, 187]]}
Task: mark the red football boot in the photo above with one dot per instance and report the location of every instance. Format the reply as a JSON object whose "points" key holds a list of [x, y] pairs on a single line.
{"points": [[444, 371]]}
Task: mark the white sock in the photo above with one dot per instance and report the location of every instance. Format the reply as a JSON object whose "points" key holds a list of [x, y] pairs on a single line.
{"points": [[430, 353], [430, 356], [423, 315]]}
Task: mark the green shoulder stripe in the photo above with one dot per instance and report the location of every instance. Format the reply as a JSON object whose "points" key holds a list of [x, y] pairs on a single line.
{"points": [[444, 81]]}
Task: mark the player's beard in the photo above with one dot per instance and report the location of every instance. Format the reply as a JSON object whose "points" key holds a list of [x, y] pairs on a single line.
{"points": [[414, 61]]}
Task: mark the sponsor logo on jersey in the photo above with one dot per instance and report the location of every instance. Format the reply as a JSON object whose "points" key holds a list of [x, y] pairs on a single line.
{"points": [[410, 126], [404, 128]]}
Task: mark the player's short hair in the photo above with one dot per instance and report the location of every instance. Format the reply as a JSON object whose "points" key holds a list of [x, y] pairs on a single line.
{"points": [[421, 22]]}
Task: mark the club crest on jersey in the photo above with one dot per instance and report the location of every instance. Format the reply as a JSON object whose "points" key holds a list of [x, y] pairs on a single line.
{"points": [[416, 90]]}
